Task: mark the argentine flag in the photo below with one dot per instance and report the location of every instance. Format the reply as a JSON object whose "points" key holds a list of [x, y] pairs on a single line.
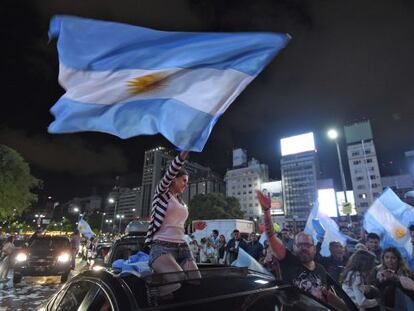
{"points": [[85, 229], [127, 80], [320, 224], [389, 217]]}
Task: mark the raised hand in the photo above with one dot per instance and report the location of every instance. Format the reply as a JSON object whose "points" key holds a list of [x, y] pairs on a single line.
{"points": [[265, 201], [184, 154]]}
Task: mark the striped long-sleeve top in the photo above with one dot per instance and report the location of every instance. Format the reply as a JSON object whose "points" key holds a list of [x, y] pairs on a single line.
{"points": [[161, 198]]}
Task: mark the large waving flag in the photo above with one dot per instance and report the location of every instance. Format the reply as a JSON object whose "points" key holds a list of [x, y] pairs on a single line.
{"points": [[85, 229], [127, 80], [320, 225], [389, 217]]}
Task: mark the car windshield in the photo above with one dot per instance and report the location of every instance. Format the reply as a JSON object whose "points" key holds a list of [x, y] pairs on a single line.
{"points": [[124, 250], [50, 242]]}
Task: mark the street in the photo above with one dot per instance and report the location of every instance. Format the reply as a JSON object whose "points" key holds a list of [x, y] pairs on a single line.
{"points": [[32, 292]]}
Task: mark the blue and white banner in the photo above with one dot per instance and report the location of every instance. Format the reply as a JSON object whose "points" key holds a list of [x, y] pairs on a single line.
{"points": [[85, 229], [389, 217], [245, 260], [127, 80], [320, 225]]}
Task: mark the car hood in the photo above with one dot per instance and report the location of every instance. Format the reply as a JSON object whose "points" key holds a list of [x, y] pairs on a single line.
{"points": [[44, 252]]}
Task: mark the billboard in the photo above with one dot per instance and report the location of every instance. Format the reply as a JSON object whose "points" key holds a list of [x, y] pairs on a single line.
{"points": [[275, 190], [340, 198], [297, 144], [239, 157], [327, 202], [356, 132]]}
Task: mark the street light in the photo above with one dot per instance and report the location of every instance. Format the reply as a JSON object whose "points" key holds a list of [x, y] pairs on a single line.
{"points": [[120, 217], [333, 135], [102, 219], [112, 200]]}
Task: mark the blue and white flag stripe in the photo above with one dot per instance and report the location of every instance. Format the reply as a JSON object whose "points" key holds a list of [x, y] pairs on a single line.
{"points": [[120, 46], [128, 80], [389, 217]]}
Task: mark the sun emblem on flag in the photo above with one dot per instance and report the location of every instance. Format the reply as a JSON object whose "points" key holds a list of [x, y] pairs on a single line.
{"points": [[400, 232], [146, 83], [80, 227]]}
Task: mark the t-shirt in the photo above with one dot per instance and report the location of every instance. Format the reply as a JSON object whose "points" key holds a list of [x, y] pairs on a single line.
{"points": [[294, 272]]}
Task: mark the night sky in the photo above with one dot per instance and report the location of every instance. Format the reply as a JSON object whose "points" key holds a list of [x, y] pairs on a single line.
{"points": [[347, 61]]}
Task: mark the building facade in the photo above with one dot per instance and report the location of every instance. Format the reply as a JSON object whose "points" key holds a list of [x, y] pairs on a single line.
{"points": [[363, 165], [202, 180], [400, 184], [300, 174], [242, 184]]}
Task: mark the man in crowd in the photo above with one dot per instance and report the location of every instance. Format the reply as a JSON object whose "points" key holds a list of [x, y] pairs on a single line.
{"points": [[233, 246], [336, 262], [373, 245], [254, 247], [299, 268], [214, 238]]}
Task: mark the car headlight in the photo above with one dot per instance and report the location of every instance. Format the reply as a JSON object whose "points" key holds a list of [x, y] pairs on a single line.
{"points": [[20, 257], [63, 258]]}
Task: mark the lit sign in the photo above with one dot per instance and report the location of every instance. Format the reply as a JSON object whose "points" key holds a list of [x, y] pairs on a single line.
{"points": [[297, 144], [327, 202]]}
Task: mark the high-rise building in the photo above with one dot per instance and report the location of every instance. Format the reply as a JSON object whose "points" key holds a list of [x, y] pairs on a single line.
{"points": [[203, 182], [242, 184], [363, 164], [156, 162], [300, 171]]}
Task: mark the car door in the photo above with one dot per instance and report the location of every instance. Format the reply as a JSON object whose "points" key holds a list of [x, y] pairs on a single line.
{"points": [[84, 294]]}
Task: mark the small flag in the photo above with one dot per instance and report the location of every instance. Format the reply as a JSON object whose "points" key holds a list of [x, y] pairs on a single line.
{"points": [[320, 225], [85, 229]]}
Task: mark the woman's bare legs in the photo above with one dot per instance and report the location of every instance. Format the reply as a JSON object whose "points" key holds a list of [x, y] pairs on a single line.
{"points": [[164, 264]]}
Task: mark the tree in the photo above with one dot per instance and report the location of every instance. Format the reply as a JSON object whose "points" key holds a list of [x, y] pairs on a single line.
{"points": [[214, 206], [16, 184]]}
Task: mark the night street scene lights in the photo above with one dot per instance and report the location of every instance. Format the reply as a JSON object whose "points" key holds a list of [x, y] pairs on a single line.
{"points": [[120, 217]]}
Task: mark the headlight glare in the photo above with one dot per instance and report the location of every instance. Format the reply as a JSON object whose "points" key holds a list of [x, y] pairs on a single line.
{"points": [[20, 257], [63, 258]]}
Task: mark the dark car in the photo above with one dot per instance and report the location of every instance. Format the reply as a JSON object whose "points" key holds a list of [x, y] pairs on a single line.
{"points": [[43, 257], [219, 288], [123, 248]]}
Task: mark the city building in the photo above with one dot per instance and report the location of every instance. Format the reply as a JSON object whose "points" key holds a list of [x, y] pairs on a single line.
{"points": [[400, 184], [274, 189], [125, 202], [203, 182], [363, 165], [156, 161], [86, 205], [242, 184], [300, 171]]}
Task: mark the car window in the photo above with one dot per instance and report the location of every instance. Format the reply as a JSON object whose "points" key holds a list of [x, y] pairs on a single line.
{"points": [[123, 251], [100, 302], [60, 243], [74, 296], [41, 243]]}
